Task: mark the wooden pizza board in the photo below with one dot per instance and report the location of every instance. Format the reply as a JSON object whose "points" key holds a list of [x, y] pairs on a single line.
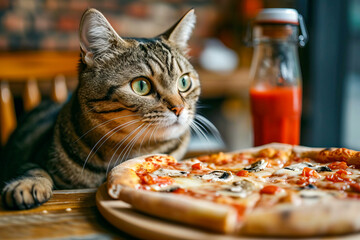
{"points": [[140, 225]]}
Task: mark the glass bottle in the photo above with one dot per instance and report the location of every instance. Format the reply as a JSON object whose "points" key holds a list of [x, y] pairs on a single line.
{"points": [[276, 84]]}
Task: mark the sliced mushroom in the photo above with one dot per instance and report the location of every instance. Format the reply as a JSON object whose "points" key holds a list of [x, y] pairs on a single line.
{"points": [[257, 166], [299, 166], [218, 175], [170, 188], [322, 169], [238, 189], [244, 184], [309, 186], [170, 173]]}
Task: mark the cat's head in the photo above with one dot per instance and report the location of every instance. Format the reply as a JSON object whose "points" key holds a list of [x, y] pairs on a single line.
{"points": [[147, 82]]}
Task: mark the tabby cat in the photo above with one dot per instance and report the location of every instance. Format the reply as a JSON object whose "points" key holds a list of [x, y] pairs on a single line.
{"points": [[135, 97]]}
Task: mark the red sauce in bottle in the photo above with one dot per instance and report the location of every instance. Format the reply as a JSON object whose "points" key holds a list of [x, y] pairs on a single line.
{"points": [[276, 114]]}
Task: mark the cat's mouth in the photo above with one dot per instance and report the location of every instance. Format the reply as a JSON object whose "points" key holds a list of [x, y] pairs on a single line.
{"points": [[180, 120], [172, 126], [168, 119]]}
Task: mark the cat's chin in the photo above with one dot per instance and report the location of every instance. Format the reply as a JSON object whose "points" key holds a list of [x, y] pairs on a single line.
{"points": [[176, 130], [174, 127]]}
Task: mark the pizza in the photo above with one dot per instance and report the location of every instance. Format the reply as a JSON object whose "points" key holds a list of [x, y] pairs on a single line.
{"points": [[272, 190]]}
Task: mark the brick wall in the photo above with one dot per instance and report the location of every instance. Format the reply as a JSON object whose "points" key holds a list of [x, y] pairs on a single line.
{"points": [[53, 24]]}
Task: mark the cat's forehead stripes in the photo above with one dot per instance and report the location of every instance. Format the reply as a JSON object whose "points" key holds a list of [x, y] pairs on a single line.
{"points": [[150, 60], [158, 55]]}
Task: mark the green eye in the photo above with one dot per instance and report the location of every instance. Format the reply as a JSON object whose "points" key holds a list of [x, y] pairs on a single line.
{"points": [[184, 83], [141, 86]]}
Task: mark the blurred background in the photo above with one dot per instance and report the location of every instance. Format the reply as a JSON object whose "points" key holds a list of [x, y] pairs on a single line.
{"points": [[39, 51]]}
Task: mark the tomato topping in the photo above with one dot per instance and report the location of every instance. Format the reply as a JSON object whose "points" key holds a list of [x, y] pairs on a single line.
{"points": [[147, 179], [270, 189], [353, 195], [240, 210], [180, 191], [343, 172], [338, 165], [196, 166], [339, 176], [242, 173], [355, 187], [164, 180], [334, 178], [304, 181], [308, 172]]}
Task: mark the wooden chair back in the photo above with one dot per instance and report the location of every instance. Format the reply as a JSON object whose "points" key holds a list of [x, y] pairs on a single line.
{"points": [[30, 68]]}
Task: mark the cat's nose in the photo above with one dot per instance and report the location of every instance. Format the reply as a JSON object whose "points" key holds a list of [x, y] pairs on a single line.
{"points": [[177, 109]]}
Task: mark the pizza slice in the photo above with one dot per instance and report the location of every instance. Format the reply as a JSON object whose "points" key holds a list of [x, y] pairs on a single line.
{"points": [[145, 181], [273, 190]]}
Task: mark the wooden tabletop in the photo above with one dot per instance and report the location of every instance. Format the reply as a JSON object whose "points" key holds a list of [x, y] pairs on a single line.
{"points": [[69, 214]]}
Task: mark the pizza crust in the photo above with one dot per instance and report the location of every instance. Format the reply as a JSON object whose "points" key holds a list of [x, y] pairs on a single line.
{"points": [[328, 218], [204, 214], [324, 155]]}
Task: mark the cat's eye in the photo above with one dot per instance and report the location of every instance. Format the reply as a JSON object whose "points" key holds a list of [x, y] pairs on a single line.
{"points": [[184, 83], [141, 86]]}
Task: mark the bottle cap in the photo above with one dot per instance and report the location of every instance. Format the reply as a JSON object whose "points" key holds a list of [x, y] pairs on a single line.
{"points": [[278, 15]]}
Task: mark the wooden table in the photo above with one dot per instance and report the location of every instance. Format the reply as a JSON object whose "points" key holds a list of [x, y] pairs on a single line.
{"points": [[69, 214]]}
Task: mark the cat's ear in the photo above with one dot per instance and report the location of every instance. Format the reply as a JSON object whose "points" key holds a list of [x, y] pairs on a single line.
{"points": [[96, 36], [180, 32]]}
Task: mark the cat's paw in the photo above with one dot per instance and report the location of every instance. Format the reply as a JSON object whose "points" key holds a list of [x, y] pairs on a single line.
{"points": [[26, 193]]}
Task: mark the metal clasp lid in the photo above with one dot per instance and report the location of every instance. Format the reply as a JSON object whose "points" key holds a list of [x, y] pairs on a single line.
{"points": [[303, 36], [302, 39]]}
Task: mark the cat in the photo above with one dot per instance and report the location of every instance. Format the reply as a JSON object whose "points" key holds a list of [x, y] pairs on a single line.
{"points": [[135, 96]]}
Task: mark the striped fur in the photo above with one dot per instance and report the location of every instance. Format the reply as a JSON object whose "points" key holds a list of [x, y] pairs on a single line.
{"points": [[105, 122]]}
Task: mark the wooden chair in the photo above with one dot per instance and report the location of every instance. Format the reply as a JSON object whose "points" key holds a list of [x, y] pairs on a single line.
{"points": [[30, 68]]}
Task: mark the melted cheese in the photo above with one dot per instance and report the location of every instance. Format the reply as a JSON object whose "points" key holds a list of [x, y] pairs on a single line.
{"points": [[293, 170], [230, 193], [287, 172], [188, 182], [170, 173], [312, 194]]}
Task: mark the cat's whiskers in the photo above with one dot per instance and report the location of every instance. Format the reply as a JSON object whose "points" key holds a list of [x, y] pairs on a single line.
{"points": [[113, 131], [200, 127], [201, 106], [103, 123], [158, 125], [161, 122], [118, 145], [195, 128], [142, 141], [213, 130], [122, 126], [130, 146], [198, 131], [152, 133]]}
